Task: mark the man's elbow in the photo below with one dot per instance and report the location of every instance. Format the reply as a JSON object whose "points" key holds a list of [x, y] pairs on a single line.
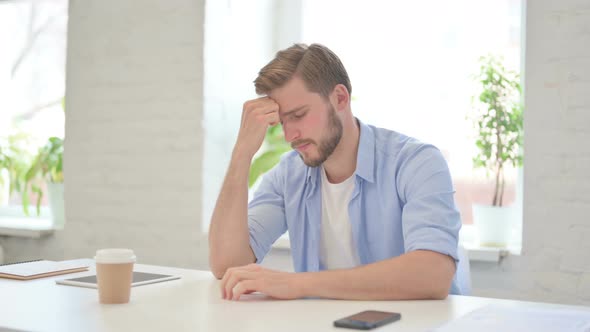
{"points": [[445, 272], [440, 290], [218, 273], [440, 293], [217, 267]]}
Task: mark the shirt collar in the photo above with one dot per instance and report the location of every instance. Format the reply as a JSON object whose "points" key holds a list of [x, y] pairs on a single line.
{"points": [[312, 174], [365, 161]]}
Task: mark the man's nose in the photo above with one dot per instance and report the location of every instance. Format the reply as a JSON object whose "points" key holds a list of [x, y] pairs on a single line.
{"points": [[291, 132]]}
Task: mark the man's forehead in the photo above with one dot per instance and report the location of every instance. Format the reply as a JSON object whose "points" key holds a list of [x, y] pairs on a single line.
{"points": [[288, 111]]}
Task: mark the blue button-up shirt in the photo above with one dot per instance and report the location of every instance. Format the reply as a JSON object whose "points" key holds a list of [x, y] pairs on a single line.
{"points": [[402, 201]]}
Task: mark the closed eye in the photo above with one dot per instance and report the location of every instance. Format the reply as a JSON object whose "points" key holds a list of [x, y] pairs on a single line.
{"points": [[298, 115], [294, 114]]}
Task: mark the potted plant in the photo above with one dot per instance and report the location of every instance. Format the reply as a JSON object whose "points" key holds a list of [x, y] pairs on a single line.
{"points": [[499, 124], [14, 162], [47, 167], [274, 146], [5, 166]]}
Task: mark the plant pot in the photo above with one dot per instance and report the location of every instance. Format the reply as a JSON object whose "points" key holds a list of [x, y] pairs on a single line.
{"points": [[494, 224], [55, 193], [4, 187]]}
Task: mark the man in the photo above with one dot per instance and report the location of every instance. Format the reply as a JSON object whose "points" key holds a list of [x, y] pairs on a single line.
{"points": [[370, 212]]}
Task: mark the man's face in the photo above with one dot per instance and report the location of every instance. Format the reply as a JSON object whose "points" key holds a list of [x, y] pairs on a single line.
{"points": [[309, 121]]}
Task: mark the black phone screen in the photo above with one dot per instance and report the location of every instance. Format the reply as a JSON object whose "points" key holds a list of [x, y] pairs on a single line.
{"points": [[367, 319], [371, 316]]}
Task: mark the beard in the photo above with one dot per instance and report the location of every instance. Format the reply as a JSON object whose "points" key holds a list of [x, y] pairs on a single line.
{"points": [[328, 144]]}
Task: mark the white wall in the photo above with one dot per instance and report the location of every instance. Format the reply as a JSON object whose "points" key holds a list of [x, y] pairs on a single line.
{"points": [[133, 134]]}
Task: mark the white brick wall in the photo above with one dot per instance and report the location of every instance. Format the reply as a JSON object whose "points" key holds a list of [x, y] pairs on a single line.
{"points": [[133, 133]]}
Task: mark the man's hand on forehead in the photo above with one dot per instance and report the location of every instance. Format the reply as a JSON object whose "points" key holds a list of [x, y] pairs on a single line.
{"points": [[257, 115]]}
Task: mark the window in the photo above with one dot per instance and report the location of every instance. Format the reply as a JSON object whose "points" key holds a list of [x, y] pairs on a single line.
{"points": [[239, 40], [32, 78]]}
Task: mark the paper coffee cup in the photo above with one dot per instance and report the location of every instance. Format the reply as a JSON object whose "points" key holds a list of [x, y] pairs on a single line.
{"points": [[114, 273]]}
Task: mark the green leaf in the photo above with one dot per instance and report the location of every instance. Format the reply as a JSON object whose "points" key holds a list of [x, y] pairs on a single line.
{"points": [[46, 166], [262, 164]]}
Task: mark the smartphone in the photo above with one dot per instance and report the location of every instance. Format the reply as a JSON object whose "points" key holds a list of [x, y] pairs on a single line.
{"points": [[367, 320]]}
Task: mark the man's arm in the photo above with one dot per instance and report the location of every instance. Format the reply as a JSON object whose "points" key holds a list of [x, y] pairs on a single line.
{"points": [[420, 274], [417, 275], [229, 240]]}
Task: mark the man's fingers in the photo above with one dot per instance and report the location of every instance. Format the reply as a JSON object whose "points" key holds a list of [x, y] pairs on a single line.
{"points": [[226, 276], [263, 101], [234, 275], [257, 101], [262, 116], [272, 118], [224, 281], [244, 287], [236, 278], [261, 107], [263, 111], [231, 283], [251, 103]]}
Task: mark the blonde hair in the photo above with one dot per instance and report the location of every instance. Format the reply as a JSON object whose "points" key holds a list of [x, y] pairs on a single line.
{"points": [[319, 68]]}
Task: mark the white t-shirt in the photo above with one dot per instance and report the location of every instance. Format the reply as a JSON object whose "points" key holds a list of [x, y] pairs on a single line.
{"points": [[337, 247]]}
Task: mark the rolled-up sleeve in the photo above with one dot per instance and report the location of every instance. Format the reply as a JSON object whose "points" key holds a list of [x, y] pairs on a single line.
{"points": [[430, 219], [266, 214]]}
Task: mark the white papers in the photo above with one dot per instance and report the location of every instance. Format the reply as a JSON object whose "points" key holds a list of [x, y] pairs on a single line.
{"points": [[40, 267], [507, 318]]}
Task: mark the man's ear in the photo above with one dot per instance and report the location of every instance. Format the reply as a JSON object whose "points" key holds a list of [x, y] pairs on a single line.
{"points": [[340, 97]]}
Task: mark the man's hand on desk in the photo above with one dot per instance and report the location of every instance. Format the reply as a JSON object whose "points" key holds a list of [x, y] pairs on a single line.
{"points": [[255, 278]]}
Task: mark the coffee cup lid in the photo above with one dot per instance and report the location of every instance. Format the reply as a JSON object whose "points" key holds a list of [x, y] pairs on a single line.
{"points": [[115, 256]]}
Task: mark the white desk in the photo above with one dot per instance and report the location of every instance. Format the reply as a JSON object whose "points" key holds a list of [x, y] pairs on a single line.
{"points": [[193, 303]]}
